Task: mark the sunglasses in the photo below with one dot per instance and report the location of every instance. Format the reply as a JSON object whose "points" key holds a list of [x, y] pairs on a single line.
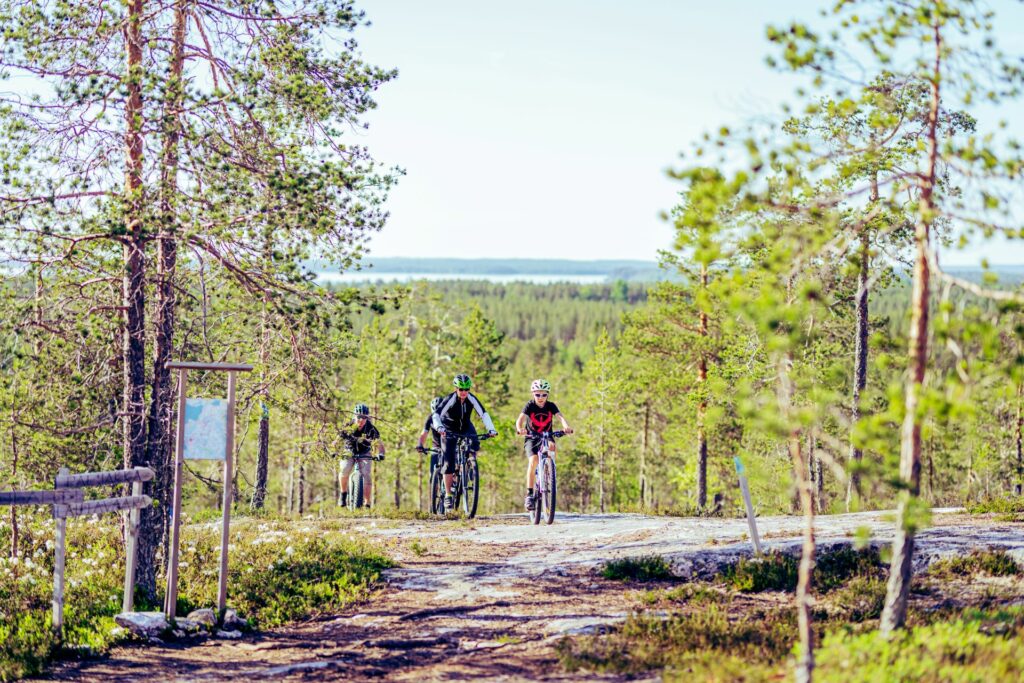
{"points": [[541, 395], [462, 391]]}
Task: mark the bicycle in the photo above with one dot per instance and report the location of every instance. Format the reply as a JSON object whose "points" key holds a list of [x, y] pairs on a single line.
{"points": [[466, 483], [355, 482], [545, 485], [436, 493]]}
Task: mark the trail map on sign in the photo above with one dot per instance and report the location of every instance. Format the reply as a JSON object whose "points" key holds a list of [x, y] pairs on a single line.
{"points": [[206, 428]]}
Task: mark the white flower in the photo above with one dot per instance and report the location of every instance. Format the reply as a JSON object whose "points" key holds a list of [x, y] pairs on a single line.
{"points": [[289, 550]]}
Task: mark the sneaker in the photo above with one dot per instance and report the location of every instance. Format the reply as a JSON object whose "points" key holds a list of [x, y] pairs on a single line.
{"points": [[449, 503], [344, 499], [529, 502]]}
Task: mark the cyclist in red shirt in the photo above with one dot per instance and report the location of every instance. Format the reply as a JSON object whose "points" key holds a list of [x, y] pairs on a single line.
{"points": [[539, 412]]}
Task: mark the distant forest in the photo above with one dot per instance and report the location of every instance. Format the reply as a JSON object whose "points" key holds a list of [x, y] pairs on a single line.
{"points": [[612, 269]]}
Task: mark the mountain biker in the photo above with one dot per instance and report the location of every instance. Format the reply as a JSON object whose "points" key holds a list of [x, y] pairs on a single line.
{"points": [[540, 412], [455, 414], [428, 428], [359, 442]]}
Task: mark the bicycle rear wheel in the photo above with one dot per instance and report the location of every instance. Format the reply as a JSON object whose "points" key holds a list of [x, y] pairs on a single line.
{"points": [[470, 487], [538, 489], [550, 490]]}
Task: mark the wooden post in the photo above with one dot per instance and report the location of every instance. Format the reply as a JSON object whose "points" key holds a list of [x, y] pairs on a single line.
{"points": [[131, 551], [745, 490], [222, 589], [171, 600], [58, 565]]}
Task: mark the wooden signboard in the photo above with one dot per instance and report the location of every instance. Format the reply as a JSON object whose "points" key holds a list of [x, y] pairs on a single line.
{"points": [[199, 448]]}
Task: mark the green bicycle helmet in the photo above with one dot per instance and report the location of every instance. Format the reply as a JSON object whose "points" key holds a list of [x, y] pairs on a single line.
{"points": [[435, 403], [462, 382], [361, 410]]}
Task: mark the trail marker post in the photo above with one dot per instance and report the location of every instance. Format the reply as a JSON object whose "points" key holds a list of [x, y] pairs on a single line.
{"points": [[206, 415], [745, 490]]}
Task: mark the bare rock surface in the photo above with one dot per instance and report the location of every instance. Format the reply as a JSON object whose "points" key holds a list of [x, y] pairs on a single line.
{"points": [[488, 599]]}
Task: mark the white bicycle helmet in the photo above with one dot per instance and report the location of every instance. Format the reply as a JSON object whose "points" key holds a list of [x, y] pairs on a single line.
{"points": [[540, 385]]}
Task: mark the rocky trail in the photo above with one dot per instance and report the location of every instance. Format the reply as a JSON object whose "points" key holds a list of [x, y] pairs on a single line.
{"points": [[490, 598]]}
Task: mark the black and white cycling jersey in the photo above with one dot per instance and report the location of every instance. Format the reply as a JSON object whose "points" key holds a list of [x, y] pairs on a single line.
{"points": [[457, 416]]}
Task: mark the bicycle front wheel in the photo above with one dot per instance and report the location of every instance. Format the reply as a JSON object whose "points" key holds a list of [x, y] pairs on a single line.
{"points": [[550, 490], [437, 492], [355, 489], [471, 487]]}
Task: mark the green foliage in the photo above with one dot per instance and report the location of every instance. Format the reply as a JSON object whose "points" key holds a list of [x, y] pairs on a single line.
{"points": [[279, 572], [644, 568], [990, 562], [1006, 506], [704, 643], [774, 571], [975, 648]]}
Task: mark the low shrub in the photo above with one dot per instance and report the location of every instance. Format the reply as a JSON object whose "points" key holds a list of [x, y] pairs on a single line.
{"points": [[645, 568], [966, 649], [991, 562], [772, 571], [279, 572]]}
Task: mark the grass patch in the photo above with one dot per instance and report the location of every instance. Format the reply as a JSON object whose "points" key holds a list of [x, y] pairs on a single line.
{"points": [[699, 642], [860, 599], [772, 571], [645, 568], [279, 572], [1006, 506], [991, 562], [978, 646]]}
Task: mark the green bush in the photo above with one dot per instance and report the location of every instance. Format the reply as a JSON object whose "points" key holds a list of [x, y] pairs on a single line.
{"points": [[685, 642], [772, 571], [645, 568], [1004, 506], [991, 562], [965, 650]]}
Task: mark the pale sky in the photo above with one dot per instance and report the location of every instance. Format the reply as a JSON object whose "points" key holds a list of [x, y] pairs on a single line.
{"points": [[544, 128]]}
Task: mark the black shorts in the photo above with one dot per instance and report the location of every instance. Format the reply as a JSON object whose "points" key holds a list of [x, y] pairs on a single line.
{"points": [[532, 445], [448, 449]]}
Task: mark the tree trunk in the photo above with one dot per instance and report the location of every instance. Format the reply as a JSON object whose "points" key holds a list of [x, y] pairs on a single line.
{"points": [[302, 487], [134, 293], [702, 407], [860, 371], [1019, 435], [398, 475], [290, 498], [159, 451], [898, 589], [14, 482], [642, 476], [804, 599], [259, 493]]}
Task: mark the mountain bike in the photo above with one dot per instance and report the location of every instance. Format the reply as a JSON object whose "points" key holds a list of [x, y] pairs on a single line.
{"points": [[466, 484], [545, 485], [355, 481], [436, 483]]}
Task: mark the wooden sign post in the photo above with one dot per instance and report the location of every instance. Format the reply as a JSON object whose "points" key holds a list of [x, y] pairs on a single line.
{"points": [[68, 500], [171, 603]]}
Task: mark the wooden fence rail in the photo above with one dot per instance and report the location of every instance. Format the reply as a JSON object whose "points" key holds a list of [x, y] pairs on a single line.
{"points": [[68, 500]]}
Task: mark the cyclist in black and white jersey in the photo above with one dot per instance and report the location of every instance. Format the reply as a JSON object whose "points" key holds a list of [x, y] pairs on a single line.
{"points": [[455, 414], [540, 413]]}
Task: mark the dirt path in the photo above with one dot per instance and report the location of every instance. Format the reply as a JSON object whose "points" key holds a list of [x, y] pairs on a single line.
{"points": [[488, 599]]}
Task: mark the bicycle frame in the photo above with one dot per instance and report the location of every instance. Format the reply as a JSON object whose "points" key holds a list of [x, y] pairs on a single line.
{"points": [[540, 485]]}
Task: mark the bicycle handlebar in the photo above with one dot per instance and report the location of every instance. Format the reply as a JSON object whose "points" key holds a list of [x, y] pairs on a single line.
{"points": [[558, 435], [481, 437]]}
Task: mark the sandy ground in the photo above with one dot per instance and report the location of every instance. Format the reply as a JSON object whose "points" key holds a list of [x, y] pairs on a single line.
{"points": [[488, 599]]}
